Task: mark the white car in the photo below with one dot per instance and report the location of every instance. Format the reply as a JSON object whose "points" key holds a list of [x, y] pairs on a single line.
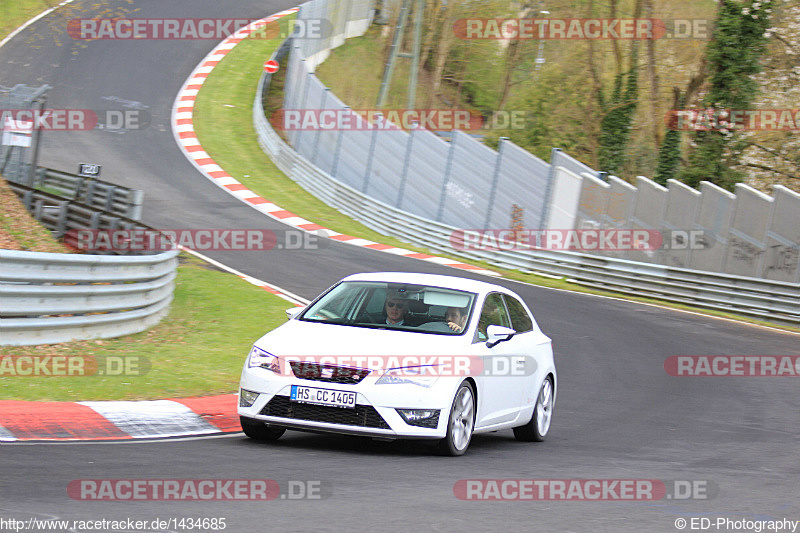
{"points": [[398, 355]]}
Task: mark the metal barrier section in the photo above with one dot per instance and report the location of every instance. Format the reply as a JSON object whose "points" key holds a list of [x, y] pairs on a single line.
{"points": [[520, 183], [714, 220], [649, 213], [103, 195], [782, 259], [566, 197], [748, 232], [683, 206], [51, 298], [593, 202]]}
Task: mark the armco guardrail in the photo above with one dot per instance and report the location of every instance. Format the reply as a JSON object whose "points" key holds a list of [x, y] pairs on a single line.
{"points": [[115, 199], [773, 301], [61, 215], [51, 298]]}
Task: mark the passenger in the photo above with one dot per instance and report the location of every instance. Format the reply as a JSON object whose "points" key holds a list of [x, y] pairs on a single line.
{"points": [[456, 318]]}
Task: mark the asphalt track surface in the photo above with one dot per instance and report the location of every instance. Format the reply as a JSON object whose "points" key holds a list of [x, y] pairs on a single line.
{"points": [[618, 416]]}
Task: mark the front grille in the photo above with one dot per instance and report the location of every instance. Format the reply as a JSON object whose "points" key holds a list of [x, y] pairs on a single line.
{"points": [[362, 416], [328, 373]]}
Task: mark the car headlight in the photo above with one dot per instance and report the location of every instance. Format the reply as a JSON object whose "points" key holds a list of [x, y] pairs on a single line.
{"points": [[247, 398], [263, 359], [424, 376]]}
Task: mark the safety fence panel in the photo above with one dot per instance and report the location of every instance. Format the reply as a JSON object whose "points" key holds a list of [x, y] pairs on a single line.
{"points": [[651, 207], [519, 190], [464, 202], [683, 206], [782, 260], [424, 176], [564, 200], [748, 232]]}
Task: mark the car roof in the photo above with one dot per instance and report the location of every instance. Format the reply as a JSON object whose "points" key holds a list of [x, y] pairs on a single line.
{"points": [[436, 280]]}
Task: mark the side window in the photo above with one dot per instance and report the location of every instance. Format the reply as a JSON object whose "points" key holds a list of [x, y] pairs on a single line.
{"points": [[520, 320], [493, 313]]}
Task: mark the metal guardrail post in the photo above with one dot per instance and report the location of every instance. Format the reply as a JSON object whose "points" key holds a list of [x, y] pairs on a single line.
{"points": [[61, 224], [495, 179], [378, 125], [319, 130], [447, 170], [136, 204], [338, 152], [401, 189], [548, 192]]}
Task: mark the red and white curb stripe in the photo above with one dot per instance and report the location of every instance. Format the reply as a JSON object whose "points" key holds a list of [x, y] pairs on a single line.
{"points": [[183, 129], [117, 420]]}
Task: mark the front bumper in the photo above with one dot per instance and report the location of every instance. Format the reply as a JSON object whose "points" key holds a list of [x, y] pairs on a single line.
{"points": [[375, 413]]}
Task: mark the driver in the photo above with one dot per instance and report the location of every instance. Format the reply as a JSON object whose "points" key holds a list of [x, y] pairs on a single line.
{"points": [[456, 318]]}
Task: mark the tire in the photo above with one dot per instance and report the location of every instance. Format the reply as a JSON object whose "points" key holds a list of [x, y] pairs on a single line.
{"points": [[539, 425], [255, 429], [461, 422]]}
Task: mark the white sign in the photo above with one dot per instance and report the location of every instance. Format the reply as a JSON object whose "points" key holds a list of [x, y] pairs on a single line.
{"points": [[17, 132]]}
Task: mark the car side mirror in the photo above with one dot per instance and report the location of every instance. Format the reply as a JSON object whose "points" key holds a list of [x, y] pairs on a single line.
{"points": [[497, 334], [293, 312]]}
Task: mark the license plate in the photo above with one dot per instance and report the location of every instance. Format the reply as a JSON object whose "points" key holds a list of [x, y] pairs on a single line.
{"points": [[333, 398]]}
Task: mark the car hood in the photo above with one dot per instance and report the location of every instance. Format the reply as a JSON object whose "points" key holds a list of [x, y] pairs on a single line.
{"points": [[300, 338]]}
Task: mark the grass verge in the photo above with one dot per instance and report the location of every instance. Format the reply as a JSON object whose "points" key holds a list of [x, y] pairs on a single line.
{"points": [[198, 350], [14, 13], [224, 125]]}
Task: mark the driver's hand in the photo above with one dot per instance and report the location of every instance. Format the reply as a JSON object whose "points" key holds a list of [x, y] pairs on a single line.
{"points": [[455, 327]]}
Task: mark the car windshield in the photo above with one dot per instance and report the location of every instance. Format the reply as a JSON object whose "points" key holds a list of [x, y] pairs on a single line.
{"points": [[406, 307]]}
